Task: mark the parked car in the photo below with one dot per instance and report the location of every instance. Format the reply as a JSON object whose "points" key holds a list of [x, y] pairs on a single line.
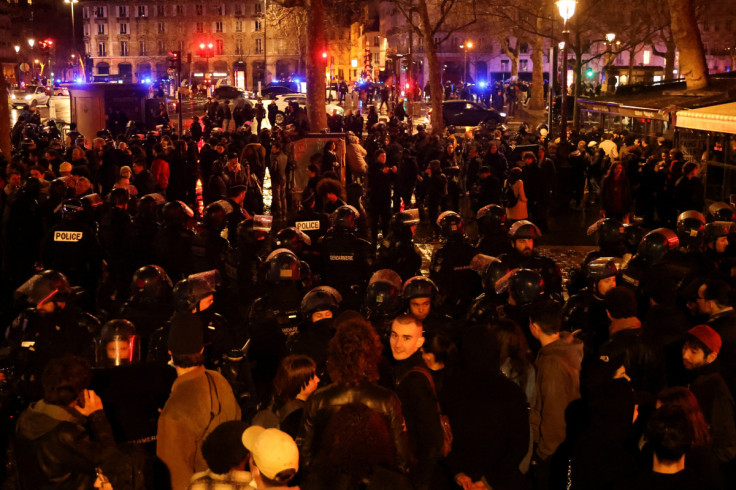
{"points": [[469, 113], [283, 101], [23, 98], [273, 91]]}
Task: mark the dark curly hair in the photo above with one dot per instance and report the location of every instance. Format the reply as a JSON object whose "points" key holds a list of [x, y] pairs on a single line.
{"points": [[354, 352], [64, 378]]}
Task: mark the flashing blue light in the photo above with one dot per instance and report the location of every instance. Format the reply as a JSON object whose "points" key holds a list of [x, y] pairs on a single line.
{"points": [[482, 84], [78, 80], [146, 80], [58, 80], [296, 80]]}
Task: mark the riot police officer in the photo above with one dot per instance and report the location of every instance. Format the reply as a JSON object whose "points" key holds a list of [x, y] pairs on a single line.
{"points": [[652, 249], [151, 302], [245, 261], [525, 287], [131, 392], [397, 250], [297, 241], [687, 262], [420, 295], [71, 247], [308, 219], [346, 259], [317, 310], [489, 305], [450, 267], [492, 230], [721, 211], [116, 231], [145, 227], [522, 256], [585, 310], [50, 326], [717, 239], [172, 244], [209, 248]]}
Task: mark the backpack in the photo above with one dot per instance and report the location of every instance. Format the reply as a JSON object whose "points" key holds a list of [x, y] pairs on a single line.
{"points": [[508, 197]]}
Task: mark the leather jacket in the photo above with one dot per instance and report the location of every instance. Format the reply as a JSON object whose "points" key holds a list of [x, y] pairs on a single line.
{"points": [[328, 400]]}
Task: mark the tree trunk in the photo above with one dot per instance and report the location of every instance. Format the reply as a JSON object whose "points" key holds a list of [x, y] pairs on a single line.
{"points": [[316, 85], [537, 102], [513, 55], [632, 55], [436, 92], [578, 79], [4, 119], [687, 37], [669, 61]]}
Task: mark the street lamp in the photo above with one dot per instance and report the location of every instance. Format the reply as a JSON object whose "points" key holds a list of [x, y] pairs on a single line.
{"points": [[567, 10], [74, 38], [466, 46], [610, 84]]}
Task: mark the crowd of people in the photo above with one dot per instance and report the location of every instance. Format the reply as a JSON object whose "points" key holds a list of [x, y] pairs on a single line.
{"points": [[166, 326]]}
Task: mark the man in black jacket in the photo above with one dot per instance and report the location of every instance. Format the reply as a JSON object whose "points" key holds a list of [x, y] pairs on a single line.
{"points": [[64, 437], [415, 388]]}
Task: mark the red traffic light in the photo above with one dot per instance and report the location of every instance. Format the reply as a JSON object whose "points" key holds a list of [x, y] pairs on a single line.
{"points": [[201, 45], [324, 54]]}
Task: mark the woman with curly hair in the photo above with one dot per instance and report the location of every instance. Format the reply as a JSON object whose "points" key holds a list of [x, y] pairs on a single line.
{"points": [[353, 356]]}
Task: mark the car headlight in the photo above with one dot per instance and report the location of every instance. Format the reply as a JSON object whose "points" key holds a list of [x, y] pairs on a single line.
{"points": [[28, 97], [502, 114]]}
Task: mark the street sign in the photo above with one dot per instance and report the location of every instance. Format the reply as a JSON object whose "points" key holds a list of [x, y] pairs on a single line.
{"points": [[24, 67], [171, 71]]}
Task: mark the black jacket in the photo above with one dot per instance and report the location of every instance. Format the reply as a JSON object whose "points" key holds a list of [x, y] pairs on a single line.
{"points": [[60, 449], [328, 400], [717, 406]]}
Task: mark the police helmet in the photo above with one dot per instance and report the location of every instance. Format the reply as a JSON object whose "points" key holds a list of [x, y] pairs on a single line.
{"points": [[451, 224], [526, 286], [717, 229], [58, 189], [176, 213], [72, 209], [117, 344], [657, 243], [721, 211], [148, 204], [282, 265], [632, 237], [32, 187], [610, 231], [419, 287], [493, 273], [44, 287], [320, 298], [383, 296], [214, 217], [599, 269], [190, 291], [491, 219], [690, 227], [151, 284], [293, 239], [403, 223], [345, 217], [248, 234], [119, 196], [524, 229]]}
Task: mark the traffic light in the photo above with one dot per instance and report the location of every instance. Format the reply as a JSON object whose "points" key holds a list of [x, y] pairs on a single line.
{"points": [[46, 45], [589, 73], [404, 64], [175, 60]]}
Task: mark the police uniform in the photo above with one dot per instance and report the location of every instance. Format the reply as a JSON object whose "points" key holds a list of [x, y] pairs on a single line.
{"points": [[346, 262]]}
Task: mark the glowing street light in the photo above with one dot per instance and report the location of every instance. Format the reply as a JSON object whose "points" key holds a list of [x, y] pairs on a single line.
{"points": [[31, 42], [567, 10]]}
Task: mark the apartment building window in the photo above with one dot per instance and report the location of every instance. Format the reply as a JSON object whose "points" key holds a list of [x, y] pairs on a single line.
{"points": [[238, 26], [258, 8], [100, 12], [123, 11], [220, 46], [180, 10], [123, 28], [200, 9], [239, 46], [161, 27], [101, 29], [377, 41], [257, 26], [85, 30], [238, 9], [200, 27], [218, 26], [259, 46], [101, 49], [376, 58], [162, 48], [85, 12], [524, 65], [124, 48], [142, 10], [219, 10], [161, 10], [523, 48], [181, 46], [141, 48]]}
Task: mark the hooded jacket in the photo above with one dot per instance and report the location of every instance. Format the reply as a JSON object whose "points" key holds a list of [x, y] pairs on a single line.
{"points": [[558, 384], [59, 447]]}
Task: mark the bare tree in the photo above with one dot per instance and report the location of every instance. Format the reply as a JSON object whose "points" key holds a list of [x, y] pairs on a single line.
{"points": [[687, 37], [435, 21]]}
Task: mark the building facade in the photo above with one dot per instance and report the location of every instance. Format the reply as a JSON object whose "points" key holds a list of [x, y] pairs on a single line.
{"points": [[218, 41]]}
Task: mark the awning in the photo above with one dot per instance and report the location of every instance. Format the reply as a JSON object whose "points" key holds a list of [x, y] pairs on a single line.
{"points": [[719, 118]]}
